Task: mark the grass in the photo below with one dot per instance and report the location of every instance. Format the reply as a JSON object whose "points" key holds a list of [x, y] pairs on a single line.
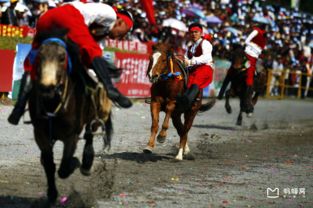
{"points": [[9, 43]]}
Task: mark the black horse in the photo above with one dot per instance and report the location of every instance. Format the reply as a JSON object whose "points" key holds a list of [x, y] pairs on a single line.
{"points": [[63, 100], [237, 76]]}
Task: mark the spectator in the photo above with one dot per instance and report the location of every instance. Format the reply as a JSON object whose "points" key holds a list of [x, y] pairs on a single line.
{"points": [[8, 16]]}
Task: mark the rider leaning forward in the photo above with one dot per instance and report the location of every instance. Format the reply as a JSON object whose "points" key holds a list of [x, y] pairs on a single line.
{"points": [[86, 23]]}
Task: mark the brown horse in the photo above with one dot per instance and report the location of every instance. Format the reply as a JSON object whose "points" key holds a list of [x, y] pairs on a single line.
{"points": [[63, 99], [168, 81], [237, 77]]}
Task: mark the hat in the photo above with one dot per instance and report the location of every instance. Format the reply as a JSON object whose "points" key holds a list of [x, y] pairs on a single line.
{"points": [[195, 27], [126, 16], [13, 1]]}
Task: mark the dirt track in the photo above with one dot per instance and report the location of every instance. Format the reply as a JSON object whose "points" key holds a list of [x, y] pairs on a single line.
{"points": [[232, 167]]}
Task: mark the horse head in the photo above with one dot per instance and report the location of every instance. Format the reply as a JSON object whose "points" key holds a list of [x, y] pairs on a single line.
{"points": [[52, 65], [161, 62]]}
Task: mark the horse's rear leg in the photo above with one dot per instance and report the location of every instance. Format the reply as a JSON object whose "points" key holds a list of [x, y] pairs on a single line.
{"points": [[69, 163], [155, 110], [255, 98], [89, 153], [239, 119], [163, 133], [227, 105]]}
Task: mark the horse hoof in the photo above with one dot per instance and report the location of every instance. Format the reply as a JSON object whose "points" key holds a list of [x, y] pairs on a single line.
{"points": [[147, 150], [249, 115], [161, 139], [85, 172], [228, 109], [66, 170], [177, 158], [52, 196], [239, 123]]}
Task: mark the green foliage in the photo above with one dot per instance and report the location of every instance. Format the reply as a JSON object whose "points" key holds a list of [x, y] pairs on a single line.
{"points": [[10, 43]]}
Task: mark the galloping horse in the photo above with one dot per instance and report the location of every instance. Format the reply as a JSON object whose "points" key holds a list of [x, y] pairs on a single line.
{"points": [[238, 86], [168, 81], [63, 99]]}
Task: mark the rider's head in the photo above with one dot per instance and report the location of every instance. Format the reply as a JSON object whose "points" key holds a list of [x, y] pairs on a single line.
{"points": [[123, 24], [195, 31]]}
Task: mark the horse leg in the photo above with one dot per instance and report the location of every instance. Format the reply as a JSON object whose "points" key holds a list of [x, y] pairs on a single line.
{"points": [[155, 110], [180, 129], [169, 109], [46, 159], [239, 119], [183, 133], [227, 105], [68, 162], [89, 153], [255, 98]]}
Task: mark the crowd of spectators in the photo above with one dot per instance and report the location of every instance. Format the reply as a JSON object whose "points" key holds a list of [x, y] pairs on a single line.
{"points": [[290, 32]]}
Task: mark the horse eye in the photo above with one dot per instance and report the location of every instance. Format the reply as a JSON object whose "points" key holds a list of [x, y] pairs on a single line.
{"points": [[61, 58]]}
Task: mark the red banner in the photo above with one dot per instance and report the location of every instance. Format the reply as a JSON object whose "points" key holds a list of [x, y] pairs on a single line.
{"points": [[133, 82], [6, 70], [127, 45]]}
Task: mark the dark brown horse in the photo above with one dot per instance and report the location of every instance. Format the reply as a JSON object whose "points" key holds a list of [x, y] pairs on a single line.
{"points": [[237, 77], [63, 100], [168, 81]]}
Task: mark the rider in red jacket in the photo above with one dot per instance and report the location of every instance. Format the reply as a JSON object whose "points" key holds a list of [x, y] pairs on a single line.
{"points": [[199, 62], [85, 24], [255, 43]]}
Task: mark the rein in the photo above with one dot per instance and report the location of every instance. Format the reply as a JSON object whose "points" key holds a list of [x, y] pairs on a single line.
{"points": [[170, 74]]}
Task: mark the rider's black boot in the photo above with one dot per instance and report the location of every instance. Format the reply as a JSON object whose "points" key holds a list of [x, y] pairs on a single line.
{"points": [[224, 86], [25, 88], [100, 67], [185, 101]]}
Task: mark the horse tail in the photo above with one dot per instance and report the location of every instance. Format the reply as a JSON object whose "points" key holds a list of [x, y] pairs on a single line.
{"points": [[207, 106], [107, 138]]}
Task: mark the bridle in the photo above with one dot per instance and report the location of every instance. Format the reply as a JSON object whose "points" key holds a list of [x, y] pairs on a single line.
{"points": [[64, 93], [168, 71]]}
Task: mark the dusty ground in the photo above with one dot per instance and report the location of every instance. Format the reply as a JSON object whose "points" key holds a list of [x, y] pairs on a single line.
{"points": [[232, 167]]}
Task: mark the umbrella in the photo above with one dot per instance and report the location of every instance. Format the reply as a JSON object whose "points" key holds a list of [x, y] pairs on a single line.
{"points": [[193, 11], [175, 23], [232, 30], [261, 19], [213, 19]]}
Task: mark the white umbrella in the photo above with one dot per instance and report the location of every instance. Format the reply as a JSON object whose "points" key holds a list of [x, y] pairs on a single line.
{"points": [[175, 23]]}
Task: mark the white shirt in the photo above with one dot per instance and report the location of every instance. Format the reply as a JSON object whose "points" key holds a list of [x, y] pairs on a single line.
{"points": [[206, 57], [252, 49], [99, 13]]}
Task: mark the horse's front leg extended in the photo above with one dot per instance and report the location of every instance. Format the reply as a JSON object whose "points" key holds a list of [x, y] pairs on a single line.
{"points": [[227, 105], [68, 162], [183, 131], [46, 159], [163, 133], [89, 153], [49, 167], [155, 108]]}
